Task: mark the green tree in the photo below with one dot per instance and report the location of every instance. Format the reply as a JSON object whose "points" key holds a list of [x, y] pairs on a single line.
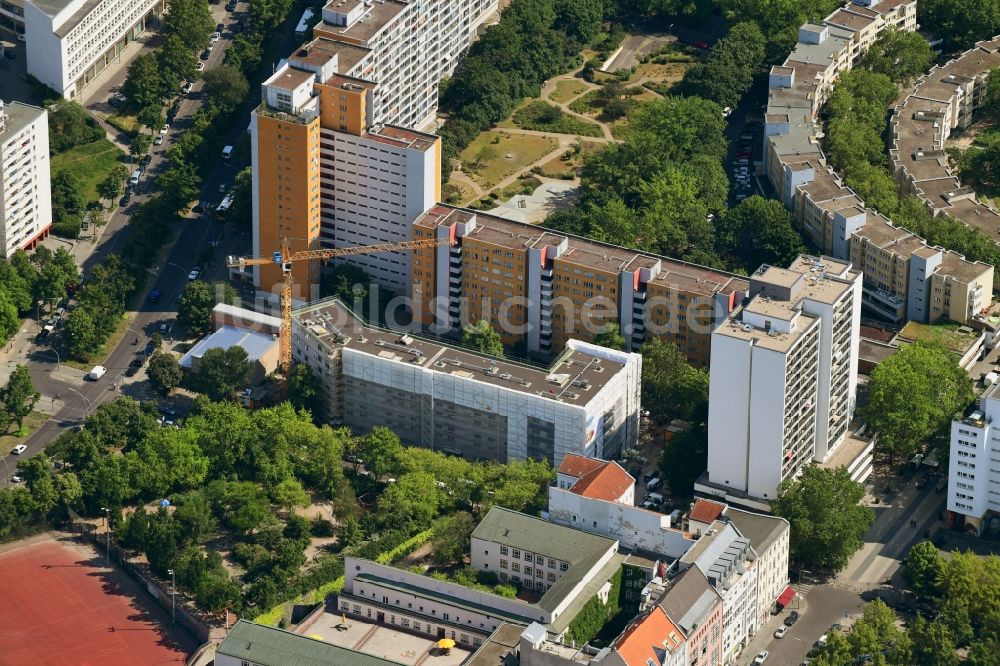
{"points": [[17, 288], [671, 388], [190, 21], [410, 503], [902, 55], [960, 23], [69, 126], [68, 201], [19, 396], [194, 517], [932, 644], [197, 301], [779, 20], [82, 333], [143, 87], [164, 372], [221, 372], [304, 389], [111, 186], [924, 565], [179, 185], [728, 71], [176, 61], [451, 536], [914, 394], [140, 145], [684, 459], [483, 338], [757, 231], [350, 533], [827, 521], [226, 85], [9, 321], [610, 337], [151, 116], [380, 449], [876, 631], [289, 494]]}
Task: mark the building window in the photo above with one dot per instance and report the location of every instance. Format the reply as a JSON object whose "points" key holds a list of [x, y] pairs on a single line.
{"points": [[516, 554], [515, 567], [563, 566], [503, 550], [503, 564]]}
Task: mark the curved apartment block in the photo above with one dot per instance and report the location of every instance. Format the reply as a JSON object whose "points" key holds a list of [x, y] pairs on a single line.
{"points": [[904, 277], [943, 101]]}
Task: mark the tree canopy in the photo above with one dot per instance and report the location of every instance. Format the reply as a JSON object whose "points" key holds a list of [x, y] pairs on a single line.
{"points": [[826, 517], [757, 231], [197, 300], [483, 338], [222, 372], [913, 394], [960, 23], [731, 65], [902, 55]]}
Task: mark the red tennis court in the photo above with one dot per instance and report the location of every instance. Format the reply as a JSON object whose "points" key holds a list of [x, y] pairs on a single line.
{"points": [[63, 605]]}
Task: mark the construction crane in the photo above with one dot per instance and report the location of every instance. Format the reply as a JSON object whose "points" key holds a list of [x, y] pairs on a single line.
{"points": [[285, 258]]}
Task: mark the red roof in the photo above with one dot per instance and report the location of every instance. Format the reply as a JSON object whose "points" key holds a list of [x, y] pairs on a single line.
{"points": [[578, 466], [606, 483], [640, 640], [706, 511]]}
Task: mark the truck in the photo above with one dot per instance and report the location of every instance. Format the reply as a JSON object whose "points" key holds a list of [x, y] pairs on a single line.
{"points": [[96, 373]]}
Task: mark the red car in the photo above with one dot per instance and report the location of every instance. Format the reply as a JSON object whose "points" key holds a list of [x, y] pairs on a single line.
{"points": [[700, 44]]}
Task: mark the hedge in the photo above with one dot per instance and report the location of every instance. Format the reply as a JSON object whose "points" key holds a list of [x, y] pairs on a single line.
{"points": [[320, 593], [595, 614]]}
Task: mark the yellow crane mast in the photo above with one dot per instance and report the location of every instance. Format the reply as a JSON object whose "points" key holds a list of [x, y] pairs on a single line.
{"points": [[285, 258]]}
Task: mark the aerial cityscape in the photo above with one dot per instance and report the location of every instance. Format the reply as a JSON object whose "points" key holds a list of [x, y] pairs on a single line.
{"points": [[499, 332]]}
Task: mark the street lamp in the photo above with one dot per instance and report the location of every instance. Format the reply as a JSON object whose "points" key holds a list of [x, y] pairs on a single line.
{"points": [[798, 600], [173, 595], [107, 526], [90, 405], [53, 350]]}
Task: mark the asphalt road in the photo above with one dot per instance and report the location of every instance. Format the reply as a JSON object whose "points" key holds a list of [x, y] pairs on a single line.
{"points": [[81, 397]]}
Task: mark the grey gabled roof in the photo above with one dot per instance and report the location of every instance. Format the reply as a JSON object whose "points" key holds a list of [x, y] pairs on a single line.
{"points": [[267, 646], [689, 599], [761, 529]]}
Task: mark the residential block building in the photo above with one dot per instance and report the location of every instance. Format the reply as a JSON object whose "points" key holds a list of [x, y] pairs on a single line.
{"points": [[783, 391], [973, 476], [25, 191], [335, 161], [729, 564], [251, 643], [904, 278], [558, 570], [70, 42], [695, 606], [943, 101], [541, 288], [462, 402], [12, 15], [769, 538], [598, 496]]}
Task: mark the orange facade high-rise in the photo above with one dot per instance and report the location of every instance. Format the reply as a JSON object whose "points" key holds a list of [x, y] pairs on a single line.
{"points": [[285, 258]]}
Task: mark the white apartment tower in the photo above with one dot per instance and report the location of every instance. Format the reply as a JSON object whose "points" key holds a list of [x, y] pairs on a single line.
{"points": [[784, 374], [972, 473], [69, 42], [25, 196]]}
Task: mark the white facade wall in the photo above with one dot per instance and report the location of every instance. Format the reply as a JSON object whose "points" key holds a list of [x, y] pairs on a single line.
{"points": [[379, 190], [61, 48], [633, 526], [739, 611], [729, 412], [974, 441], [772, 575], [382, 599], [25, 190]]}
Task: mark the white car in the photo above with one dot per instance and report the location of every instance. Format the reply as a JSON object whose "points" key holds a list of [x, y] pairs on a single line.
{"points": [[780, 632], [16, 479], [188, 87], [19, 449], [200, 67], [216, 36], [222, 188], [760, 658], [165, 129], [158, 141], [193, 275]]}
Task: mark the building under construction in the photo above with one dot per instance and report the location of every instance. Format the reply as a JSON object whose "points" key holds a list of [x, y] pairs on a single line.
{"points": [[467, 403]]}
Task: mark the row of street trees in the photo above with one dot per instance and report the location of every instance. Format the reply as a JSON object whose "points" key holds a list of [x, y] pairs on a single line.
{"points": [[25, 281]]}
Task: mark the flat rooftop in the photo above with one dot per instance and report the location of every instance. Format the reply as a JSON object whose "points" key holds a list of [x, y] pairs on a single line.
{"points": [[502, 642], [18, 116], [573, 378], [771, 340], [372, 22], [584, 252], [402, 137], [383, 642], [953, 337]]}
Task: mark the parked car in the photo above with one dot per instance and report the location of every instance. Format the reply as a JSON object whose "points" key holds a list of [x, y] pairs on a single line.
{"points": [[222, 188], [16, 479], [125, 198], [158, 141], [231, 6], [193, 275], [216, 36], [219, 27], [116, 103], [96, 373], [144, 162], [131, 371], [761, 657], [154, 295], [19, 449], [200, 67], [792, 618], [187, 87], [780, 632]]}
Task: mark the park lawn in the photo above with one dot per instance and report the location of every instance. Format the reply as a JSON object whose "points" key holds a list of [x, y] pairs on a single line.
{"points": [[127, 124], [530, 118], [90, 163], [586, 104], [523, 150], [9, 440], [567, 89], [105, 349], [670, 72]]}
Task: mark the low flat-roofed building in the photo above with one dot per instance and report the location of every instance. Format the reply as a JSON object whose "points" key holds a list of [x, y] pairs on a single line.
{"points": [[262, 350], [464, 402], [260, 645]]}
